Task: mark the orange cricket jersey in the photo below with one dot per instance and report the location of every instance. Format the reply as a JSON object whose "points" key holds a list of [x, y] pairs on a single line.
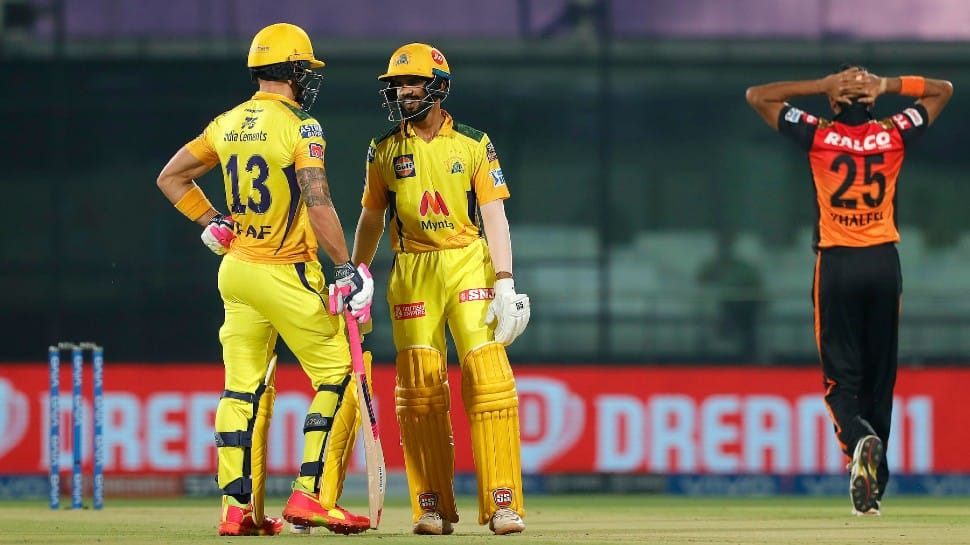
{"points": [[855, 169]]}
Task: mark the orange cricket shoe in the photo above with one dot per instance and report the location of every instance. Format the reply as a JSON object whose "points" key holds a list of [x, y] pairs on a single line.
{"points": [[303, 509], [237, 520]]}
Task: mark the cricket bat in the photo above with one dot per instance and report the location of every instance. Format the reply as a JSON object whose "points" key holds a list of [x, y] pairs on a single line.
{"points": [[258, 450], [373, 451]]}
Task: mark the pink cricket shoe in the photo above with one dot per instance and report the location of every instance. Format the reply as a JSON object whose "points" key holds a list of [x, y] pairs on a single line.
{"points": [[303, 509], [237, 520]]}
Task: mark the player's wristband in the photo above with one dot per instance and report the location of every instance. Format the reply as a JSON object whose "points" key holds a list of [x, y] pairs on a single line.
{"points": [[502, 274], [194, 204], [912, 86]]}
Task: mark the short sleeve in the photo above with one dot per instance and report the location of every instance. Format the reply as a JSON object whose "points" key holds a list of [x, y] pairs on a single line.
{"points": [[798, 125], [202, 149], [375, 190], [911, 123], [310, 145], [489, 180]]}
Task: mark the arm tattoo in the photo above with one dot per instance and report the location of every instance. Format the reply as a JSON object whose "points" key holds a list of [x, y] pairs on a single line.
{"points": [[313, 184]]}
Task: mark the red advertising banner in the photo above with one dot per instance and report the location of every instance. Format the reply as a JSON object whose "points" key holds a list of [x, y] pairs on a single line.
{"points": [[701, 420]]}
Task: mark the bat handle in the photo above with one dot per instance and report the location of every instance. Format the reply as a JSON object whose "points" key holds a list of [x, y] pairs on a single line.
{"points": [[353, 338]]}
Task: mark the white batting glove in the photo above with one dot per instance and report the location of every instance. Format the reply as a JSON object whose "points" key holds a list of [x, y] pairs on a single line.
{"points": [[219, 234], [353, 288], [510, 309]]}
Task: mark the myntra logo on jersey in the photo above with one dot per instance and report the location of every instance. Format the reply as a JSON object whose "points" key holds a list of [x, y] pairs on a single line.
{"points": [[476, 294], [435, 204], [879, 140], [409, 310]]}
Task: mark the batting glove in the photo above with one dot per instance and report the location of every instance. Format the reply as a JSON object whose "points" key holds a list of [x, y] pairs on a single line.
{"points": [[219, 234], [510, 310], [353, 288]]}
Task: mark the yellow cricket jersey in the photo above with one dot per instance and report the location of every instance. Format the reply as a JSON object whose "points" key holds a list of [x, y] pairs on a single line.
{"points": [[433, 189], [261, 144]]}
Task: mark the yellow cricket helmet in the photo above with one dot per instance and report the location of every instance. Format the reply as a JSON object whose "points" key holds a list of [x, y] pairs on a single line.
{"points": [[282, 42], [421, 60], [417, 59]]}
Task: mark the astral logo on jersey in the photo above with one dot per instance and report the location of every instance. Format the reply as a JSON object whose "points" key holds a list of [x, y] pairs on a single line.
{"points": [[476, 294], [404, 166], [434, 203], [409, 310], [311, 130]]}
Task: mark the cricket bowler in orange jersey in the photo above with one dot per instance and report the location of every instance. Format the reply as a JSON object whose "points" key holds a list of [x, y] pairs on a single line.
{"points": [[855, 162], [442, 186], [271, 153]]}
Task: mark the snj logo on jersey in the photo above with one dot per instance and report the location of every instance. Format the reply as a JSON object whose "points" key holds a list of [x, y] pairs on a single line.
{"points": [[476, 294], [437, 57], [404, 166], [435, 203], [409, 310]]}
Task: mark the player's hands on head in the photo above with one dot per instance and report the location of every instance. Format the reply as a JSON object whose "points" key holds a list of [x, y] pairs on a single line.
{"points": [[870, 86], [510, 310], [843, 86], [353, 288], [854, 84], [219, 234]]}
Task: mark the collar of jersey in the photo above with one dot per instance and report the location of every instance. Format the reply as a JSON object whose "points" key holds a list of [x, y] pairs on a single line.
{"points": [[853, 116], [447, 126], [263, 95]]}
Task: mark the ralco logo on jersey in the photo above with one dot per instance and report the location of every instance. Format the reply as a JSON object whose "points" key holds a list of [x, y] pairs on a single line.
{"points": [[880, 140], [436, 205]]}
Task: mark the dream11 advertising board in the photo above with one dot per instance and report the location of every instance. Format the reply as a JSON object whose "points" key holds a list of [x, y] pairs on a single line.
{"points": [[574, 419]]}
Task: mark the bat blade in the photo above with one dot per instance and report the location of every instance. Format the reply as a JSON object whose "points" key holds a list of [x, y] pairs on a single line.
{"points": [[373, 450]]}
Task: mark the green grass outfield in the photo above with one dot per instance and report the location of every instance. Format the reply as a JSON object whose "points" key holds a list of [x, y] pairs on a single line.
{"points": [[560, 520]]}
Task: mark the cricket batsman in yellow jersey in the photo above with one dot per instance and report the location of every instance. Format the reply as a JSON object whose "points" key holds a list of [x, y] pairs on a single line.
{"points": [[271, 152], [442, 184]]}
